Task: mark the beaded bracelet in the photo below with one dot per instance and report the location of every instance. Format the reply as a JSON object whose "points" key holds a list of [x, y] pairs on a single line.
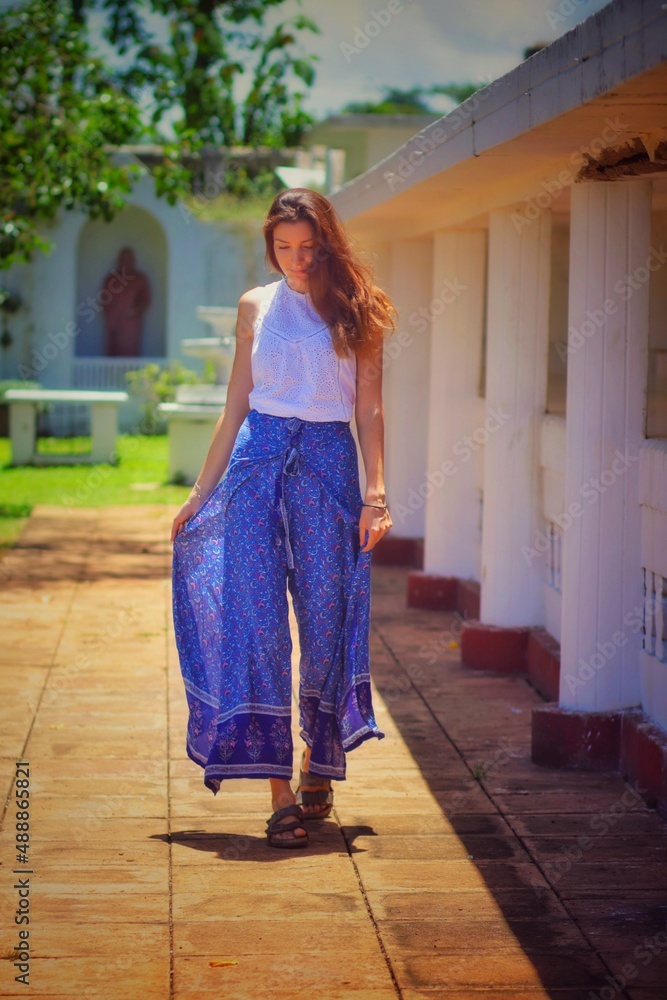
{"points": [[199, 490], [377, 506]]}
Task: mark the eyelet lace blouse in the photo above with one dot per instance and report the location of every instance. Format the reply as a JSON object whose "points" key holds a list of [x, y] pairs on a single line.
{"points": [[295, 370]]}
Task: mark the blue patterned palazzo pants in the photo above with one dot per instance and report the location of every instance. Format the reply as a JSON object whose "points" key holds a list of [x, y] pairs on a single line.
{"points": [[285, 514]]}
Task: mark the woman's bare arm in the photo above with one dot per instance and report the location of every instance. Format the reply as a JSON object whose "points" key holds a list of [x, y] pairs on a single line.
{"points": [[234, 413], [369, 417], [237, 406]]}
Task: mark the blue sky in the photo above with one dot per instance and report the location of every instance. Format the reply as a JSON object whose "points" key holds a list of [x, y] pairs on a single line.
{"points": [[427, 42]]}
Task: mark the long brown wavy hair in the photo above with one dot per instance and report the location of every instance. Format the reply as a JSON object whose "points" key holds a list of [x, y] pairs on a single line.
{"points": [[341, 285]]}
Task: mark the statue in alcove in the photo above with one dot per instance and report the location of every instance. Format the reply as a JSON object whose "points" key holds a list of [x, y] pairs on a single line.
{"points": [[125, 296]]}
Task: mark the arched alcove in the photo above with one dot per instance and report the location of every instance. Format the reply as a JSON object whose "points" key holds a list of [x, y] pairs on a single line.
{"points": [[97, 256]]}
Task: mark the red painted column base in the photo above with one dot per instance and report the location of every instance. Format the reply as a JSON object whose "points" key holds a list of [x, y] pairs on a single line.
{"points": [[489, 647], [644, 757], [494, 647], [626, 741], [390, 551], [468, 598], [434, 592], [576, 740], [544, 663]]}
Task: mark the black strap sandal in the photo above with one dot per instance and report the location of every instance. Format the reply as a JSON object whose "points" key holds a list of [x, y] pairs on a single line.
{"points": [[275, 825], [314, 790]]}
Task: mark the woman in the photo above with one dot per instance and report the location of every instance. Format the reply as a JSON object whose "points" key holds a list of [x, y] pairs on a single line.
{"points": [[308, 357]]}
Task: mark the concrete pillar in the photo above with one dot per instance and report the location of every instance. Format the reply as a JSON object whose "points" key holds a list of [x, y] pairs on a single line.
{"points": [[103, 431], [516, 386], [405, 384], [22, 430], [606, 405], [456, 408]]}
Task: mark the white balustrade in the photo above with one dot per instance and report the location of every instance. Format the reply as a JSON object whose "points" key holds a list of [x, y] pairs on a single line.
{"points": [[107, 373]]}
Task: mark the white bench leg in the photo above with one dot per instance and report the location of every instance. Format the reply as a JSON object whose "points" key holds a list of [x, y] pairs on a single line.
{"points": [[22, 423], [104, 431]]}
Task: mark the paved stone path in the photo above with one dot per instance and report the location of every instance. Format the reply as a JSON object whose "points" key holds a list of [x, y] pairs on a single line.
{"points": [[452, 867]]}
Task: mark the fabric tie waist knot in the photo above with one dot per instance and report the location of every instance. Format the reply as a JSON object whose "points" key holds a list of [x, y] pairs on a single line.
{"points": [[290, 467]]}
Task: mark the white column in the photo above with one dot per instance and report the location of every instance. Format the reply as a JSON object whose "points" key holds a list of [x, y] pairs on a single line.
{"points": [[607, 361], [516, 386], [456, 408], [406, 383]]}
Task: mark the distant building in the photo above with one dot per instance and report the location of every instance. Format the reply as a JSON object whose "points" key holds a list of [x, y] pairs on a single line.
{"points": [[365, 139]]}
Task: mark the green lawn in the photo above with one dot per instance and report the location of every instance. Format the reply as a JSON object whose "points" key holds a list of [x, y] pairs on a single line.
{"points": [[139, 477], [12, 519]]}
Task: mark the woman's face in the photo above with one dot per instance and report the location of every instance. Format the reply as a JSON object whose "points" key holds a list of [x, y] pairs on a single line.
{"points": [[294, 247]]}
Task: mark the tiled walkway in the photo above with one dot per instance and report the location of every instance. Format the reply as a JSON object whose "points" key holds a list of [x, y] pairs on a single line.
{"points": [[453, 867]]}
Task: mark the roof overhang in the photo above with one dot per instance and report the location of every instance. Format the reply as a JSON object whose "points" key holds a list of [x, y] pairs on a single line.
{"points": [[597, 87]]}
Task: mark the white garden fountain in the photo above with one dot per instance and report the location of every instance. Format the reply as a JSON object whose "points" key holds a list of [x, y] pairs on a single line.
{"points": [[191, 419]]}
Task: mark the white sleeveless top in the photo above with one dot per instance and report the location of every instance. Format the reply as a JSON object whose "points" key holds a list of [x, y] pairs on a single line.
{"points": [[295, 370]]}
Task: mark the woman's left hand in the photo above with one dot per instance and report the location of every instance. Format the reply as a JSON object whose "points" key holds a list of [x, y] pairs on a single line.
{"points": [[376, 523]]}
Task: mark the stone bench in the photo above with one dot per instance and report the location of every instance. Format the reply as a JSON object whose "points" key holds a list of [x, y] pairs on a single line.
{"points": [[23, 405], [190, 428]]}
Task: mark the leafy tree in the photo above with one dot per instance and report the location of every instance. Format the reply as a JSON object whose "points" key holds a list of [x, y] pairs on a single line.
{"points": [[60, 117], [411, 102], [460, 92], [213, 45], [394, 102]]}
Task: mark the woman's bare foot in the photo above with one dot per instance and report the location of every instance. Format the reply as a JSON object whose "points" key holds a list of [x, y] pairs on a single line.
{"points": [[316, 809], [281, 796]]}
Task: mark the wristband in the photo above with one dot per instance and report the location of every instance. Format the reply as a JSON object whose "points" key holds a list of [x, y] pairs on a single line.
{"points": [[200, 491]]}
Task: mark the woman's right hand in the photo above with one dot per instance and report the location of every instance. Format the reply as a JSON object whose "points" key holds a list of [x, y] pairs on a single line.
{"points": [[189, 508]]}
